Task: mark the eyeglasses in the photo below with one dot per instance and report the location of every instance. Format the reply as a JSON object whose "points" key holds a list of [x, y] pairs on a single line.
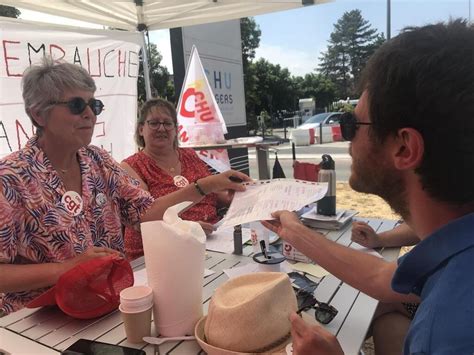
{"points": [[153, 124], [77, 105], [349, 126], [323, 312]]}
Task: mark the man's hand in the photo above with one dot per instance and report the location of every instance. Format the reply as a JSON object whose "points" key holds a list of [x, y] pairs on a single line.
{"points": [[285, 225], [364, 235], [312, 339]]}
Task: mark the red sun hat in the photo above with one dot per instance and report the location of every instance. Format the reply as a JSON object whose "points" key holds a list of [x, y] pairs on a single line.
{"points": [[90, 289]]}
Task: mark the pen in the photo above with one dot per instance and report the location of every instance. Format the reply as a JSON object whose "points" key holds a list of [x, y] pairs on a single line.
{"points": [[264, 249], [235, 179]]}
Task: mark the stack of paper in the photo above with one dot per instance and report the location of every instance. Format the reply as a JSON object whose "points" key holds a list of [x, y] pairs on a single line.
{"points": [[338, 221]]}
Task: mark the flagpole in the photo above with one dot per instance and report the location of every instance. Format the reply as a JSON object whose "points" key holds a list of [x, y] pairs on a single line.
{"points": [[389, 20]]}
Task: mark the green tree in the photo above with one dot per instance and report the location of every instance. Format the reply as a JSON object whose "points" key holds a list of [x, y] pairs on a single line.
{"points": [[9, 11], [160, 82], [317, 86], [350, 45], [250, 39]]}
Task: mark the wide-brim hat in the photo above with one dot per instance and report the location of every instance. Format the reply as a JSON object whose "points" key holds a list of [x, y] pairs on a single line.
{"points": [[248, 315], [90, 289]]}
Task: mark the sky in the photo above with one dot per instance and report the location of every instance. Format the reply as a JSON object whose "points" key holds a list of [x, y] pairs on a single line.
{"points": [[295, 39]]}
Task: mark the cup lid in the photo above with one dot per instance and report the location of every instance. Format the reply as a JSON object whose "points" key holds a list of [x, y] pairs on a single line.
{"points": [[274, 258], [136, 299]]}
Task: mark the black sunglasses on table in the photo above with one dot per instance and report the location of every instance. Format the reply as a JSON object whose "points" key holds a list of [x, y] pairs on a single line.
{"points": [[77, 105], [349, 125], [323, 312]]}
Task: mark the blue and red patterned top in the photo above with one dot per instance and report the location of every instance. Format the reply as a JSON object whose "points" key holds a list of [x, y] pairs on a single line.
{"points": [[35, 226]]}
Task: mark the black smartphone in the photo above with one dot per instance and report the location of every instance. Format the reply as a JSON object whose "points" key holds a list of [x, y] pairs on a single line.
{"points": [[91, 347]]}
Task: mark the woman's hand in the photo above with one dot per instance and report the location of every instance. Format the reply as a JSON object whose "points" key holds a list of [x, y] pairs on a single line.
{"points": [[286, 224], [312, 339], [91, 253], [206, 227], [364, 235], [222, 182]]}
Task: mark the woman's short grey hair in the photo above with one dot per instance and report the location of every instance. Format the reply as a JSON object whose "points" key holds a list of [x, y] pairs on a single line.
{"points": [[46, 82], [156, 103]]}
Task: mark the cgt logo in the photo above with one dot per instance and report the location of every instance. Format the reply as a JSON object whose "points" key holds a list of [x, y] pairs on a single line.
{"points": [[202, 111]]}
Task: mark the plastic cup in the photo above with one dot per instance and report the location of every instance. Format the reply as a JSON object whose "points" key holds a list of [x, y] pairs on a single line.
{"points": [[136, 305], [258, 233]]}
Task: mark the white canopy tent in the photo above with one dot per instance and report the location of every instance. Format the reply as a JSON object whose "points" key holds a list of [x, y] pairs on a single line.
{"points": [[157, 14], [148, 15]]}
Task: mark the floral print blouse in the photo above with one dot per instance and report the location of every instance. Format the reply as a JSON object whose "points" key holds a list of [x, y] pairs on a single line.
{"points": [[35, 224], [160, 183]]}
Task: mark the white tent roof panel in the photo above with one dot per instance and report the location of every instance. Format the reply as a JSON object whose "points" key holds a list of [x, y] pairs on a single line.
{"points": [[157, 14]]}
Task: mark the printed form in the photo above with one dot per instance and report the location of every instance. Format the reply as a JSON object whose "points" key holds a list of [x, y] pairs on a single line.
{"points": [[263, 197]]}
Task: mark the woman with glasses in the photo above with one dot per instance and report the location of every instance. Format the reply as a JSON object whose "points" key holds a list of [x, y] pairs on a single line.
{"points": [[163, 168], [63, 201]]}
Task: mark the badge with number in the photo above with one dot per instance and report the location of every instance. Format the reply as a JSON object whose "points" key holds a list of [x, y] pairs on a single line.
{"points": [[72, 201], [180, 181], [100, 199]]}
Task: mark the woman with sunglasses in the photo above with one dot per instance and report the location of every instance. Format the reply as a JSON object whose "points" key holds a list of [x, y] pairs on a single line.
{"points": [[163, 168], [63, 201]]}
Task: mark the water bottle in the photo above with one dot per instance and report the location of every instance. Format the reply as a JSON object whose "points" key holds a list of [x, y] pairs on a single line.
{"points": [[327, 205]]}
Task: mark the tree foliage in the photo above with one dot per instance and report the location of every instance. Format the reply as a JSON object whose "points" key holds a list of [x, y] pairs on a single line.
{"points": [[350, 45], [159, 77], [250, 37], [9, 11]]}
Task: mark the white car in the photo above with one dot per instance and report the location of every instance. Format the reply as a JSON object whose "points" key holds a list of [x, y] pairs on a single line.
{"points": [[330, 126]]}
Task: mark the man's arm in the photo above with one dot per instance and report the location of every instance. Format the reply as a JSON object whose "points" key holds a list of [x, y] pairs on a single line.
{"points": [[368, 273], [401, 235]]}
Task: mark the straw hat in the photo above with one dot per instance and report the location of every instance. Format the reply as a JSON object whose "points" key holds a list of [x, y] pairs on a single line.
{"points": [[248, 314]]}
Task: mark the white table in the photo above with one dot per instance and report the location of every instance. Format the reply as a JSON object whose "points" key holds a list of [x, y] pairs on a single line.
{"points": [[48, 330]]}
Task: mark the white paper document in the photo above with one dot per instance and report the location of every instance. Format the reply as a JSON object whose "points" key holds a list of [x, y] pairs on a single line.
{"points": [[222, 240], [263, 197]]}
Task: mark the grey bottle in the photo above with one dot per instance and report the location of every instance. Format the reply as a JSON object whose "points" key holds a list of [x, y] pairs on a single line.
{"points": [[327, 205]]}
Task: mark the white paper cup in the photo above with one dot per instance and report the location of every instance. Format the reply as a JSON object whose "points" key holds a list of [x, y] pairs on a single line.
{"points": [[136, 304]]}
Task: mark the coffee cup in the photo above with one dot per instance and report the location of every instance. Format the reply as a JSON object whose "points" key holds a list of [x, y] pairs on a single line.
{"points": [[136, 305]]}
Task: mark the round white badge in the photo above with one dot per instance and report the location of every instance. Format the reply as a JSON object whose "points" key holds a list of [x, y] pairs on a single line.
{"points": [[72, 201], [100, 199], [180, 181]]}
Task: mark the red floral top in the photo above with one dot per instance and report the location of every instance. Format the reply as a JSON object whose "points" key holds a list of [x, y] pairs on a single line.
{"points": [[160, 184]]}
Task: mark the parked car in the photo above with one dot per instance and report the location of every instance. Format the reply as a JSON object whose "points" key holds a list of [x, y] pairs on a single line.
{"points": [[330, 126]]}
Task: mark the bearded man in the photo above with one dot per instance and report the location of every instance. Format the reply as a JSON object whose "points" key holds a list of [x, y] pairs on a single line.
{"points": [[412, 143]]}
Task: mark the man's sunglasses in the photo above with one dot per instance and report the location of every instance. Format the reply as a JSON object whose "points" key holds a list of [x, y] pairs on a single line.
{"points": [[323, 312], [349, 126], [77, 105]]}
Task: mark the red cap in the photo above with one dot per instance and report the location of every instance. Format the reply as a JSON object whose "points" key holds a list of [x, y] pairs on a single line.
{"points": [[90, 289]]}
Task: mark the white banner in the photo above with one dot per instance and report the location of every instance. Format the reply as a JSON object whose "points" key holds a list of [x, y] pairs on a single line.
{"points": [[110, 57], [200, 121]]}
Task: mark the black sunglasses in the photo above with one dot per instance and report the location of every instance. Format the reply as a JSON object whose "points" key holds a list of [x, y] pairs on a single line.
{"points": [[349, 125], [77, 105], [323, 312]]}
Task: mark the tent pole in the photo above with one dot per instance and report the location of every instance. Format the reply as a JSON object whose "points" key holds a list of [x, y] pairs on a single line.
{"points": [[146, 68]]}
